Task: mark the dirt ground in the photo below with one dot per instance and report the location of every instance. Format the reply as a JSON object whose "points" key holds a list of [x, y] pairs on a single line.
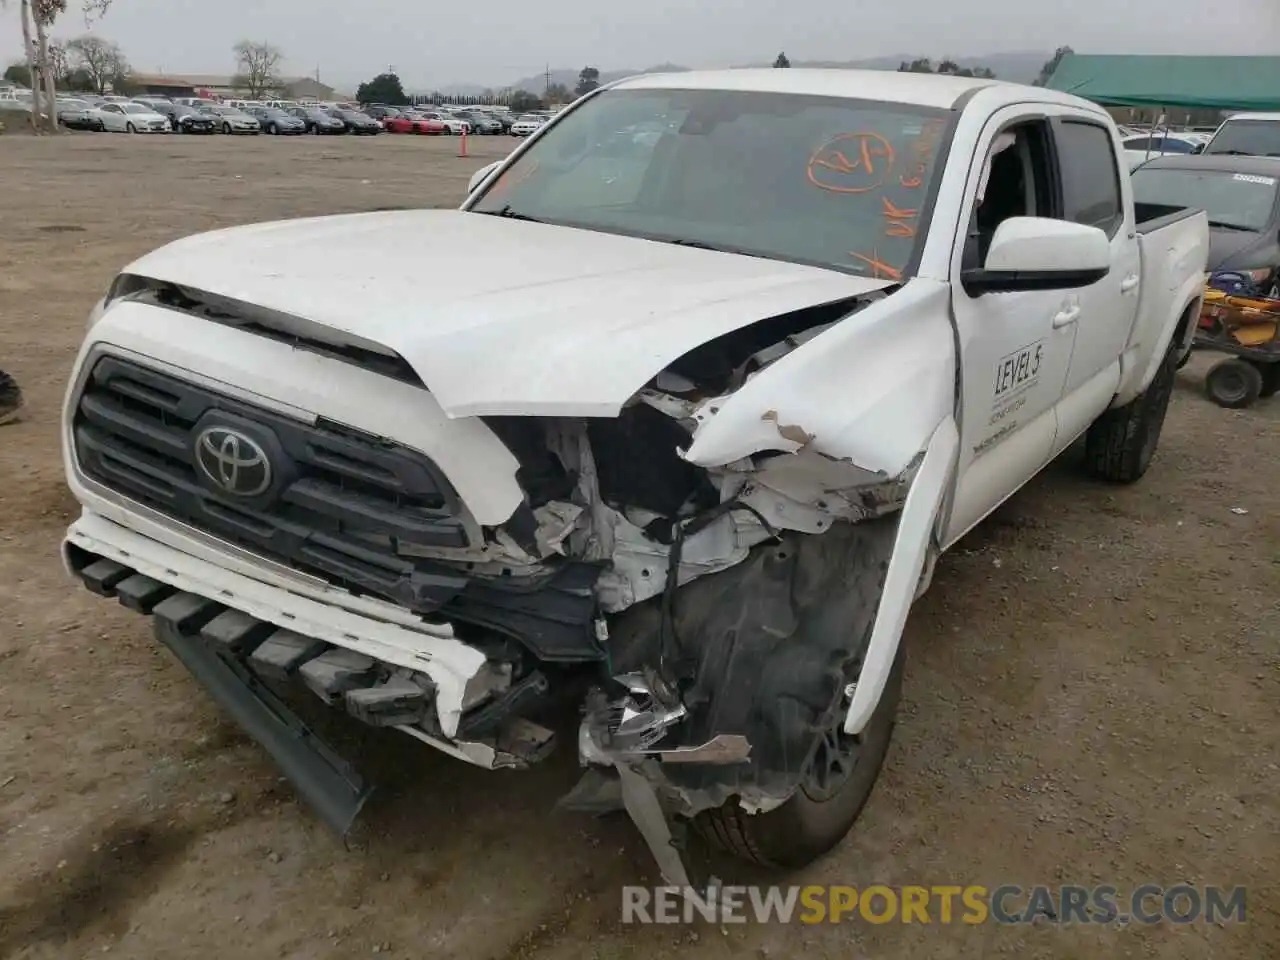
{"points": [[1091, 694]]}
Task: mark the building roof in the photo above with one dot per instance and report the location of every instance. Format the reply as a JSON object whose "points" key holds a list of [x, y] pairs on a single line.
{"points": [[203, 80], [922, 89], [1215, 83]]}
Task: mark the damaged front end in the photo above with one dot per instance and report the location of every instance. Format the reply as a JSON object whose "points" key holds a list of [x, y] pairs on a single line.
{"points": [[736, 600]]}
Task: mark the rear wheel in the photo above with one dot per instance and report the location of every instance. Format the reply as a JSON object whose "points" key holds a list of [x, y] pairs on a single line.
{"points": [[1233, 384], [1120, 443]]}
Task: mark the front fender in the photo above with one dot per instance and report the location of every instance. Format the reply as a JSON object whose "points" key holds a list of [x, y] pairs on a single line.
{"points": [[916, 537]]}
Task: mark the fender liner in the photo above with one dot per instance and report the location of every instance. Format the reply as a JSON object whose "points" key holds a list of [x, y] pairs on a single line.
{"points": [[915, 537]]}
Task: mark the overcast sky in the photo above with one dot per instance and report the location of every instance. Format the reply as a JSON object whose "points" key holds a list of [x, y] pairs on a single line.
{"points": [[495, 42]]}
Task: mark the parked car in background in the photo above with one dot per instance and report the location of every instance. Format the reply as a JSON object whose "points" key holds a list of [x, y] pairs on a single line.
{"points": [[482, 123], [526, 125], [424, 123], [358, 122], [318, 121], [276, 122], [380, 111], [410, 121], [231, 120], [452, 124], [129, 117], [1242, 198], [1146, 146], [1247, 134], [77, 114], [184, 117]]}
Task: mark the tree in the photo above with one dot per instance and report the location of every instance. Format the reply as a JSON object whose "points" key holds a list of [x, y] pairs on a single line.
{"points": [[782, 61], [384, 88], [588, 80], [1048, 69], [37, 18], [101, 60], [522, 101], [18, 73], [258, 64], [920, 65], [557, 93]]}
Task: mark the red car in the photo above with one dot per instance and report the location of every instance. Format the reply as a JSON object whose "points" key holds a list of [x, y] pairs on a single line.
{"points": [[409, 122]]}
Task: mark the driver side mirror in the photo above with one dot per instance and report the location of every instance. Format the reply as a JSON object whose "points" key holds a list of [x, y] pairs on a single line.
{"points": [[1199, 148], [1039, 253], [479, 176]]}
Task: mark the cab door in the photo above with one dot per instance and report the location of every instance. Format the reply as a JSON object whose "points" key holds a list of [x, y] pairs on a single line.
{"points": [[1095, 193], [1015, 348]]}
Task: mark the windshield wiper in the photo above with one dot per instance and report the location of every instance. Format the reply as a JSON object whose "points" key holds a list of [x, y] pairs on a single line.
{"points": [[1224, 225], [510, 214], [702, 245]]}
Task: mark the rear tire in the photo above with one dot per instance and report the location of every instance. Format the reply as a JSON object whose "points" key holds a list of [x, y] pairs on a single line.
{"points": [[837, 784], [1120, 443], [1234, 384]]}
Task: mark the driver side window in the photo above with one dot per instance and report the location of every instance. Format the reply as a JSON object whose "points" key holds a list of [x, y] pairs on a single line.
{"points": [[1018, 183]]}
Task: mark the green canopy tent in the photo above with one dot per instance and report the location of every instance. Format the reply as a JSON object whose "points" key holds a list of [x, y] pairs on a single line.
{"points": [[1195, 83]]}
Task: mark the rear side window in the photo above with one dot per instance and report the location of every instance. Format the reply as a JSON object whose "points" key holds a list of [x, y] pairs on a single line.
{"points": [[1090, 179]]}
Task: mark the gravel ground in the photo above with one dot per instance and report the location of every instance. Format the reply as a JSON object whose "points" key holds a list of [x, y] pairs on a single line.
{"points": [[1090, 696]]}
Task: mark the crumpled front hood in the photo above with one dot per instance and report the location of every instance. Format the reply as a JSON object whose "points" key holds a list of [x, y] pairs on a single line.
{"points": [[500, 316]]}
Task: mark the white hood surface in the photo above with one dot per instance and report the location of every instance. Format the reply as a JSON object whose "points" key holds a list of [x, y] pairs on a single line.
{"points": [[500, 316]]}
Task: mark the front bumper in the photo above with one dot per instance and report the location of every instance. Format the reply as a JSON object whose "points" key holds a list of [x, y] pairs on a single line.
{"points": [[448, 663]]}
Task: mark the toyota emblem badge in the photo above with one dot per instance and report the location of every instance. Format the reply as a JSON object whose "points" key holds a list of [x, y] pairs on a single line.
{"points": [[233, 462]]}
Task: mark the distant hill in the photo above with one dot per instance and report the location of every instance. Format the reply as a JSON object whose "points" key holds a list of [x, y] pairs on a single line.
{"points": [[1017, 67]]}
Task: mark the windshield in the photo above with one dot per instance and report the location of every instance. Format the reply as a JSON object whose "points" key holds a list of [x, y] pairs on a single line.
{"points": [[1255, 138], [1234, 200], [831, 182]]}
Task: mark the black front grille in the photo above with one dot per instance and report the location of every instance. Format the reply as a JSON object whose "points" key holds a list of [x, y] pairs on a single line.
{"points": [[343, 504]]}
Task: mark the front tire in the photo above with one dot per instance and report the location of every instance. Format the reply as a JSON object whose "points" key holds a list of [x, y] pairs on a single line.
{"points": [[273, 130], [130, 128], [837, 783]]}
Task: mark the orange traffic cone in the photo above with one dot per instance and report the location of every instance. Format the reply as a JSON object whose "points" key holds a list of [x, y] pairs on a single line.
{"points": [[462, 149]]}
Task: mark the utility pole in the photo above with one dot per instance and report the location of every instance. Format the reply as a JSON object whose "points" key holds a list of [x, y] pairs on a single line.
{"points": [[546, 84]]}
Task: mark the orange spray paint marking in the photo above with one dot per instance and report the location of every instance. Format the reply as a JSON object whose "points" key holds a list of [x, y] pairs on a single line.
{"points": [[879, 269], [830, 166], [897, 219]]}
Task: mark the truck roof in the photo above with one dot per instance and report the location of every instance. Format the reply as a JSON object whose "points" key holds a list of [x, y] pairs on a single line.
{"points": [[921, 89]]}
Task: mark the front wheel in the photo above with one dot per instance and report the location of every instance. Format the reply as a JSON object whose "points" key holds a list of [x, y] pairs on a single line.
{"points": [[226, 128], [130, 128], [837, 783]]}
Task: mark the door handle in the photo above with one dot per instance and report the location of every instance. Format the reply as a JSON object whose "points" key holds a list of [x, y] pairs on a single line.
{"points": [[1067, 317], [1129, 283]]}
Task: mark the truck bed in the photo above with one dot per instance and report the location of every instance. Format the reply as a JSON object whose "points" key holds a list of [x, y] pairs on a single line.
{"points": [[1151, 217]]}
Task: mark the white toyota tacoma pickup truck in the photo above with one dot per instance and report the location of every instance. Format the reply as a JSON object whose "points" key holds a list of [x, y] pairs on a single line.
{"points": [[709, 372]]}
